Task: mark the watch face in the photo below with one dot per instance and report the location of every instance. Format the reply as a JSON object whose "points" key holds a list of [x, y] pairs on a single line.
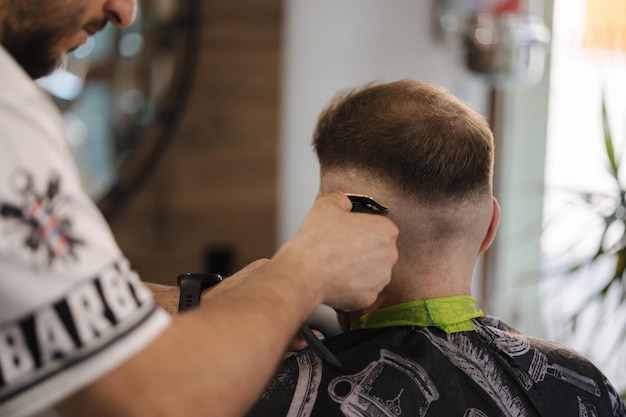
{"points": [[207, 279], [121, 94]]}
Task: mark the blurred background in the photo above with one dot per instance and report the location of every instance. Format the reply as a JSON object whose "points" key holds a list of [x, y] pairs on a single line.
{"points": [[192, 129]]}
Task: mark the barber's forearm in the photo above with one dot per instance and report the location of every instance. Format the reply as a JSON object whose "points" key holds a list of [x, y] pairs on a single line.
{"points": [[239, 336], [167, 296]]}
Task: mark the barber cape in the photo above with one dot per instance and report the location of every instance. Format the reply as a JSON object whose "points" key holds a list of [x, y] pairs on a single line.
{"points": [[438, 357]]}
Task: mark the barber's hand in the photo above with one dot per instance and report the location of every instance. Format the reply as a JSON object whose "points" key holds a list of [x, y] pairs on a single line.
{"points": [[353, 253]]}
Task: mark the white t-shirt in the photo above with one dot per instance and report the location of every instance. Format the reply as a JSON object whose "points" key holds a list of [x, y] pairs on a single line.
{"points": [[71, 309]]}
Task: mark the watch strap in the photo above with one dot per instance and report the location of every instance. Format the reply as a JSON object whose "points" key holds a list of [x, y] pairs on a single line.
{"points": [[191, 286]]}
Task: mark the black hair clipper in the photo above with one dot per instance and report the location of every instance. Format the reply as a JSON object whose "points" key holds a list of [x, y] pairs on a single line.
{"points": [[365, 204]]}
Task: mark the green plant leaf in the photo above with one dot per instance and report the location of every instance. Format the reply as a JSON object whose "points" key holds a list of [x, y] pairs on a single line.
{"points": [[610, 207], [608, 142]]}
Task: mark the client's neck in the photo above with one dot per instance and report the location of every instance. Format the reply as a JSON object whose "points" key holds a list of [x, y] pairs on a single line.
{"points": [[425, 282]]}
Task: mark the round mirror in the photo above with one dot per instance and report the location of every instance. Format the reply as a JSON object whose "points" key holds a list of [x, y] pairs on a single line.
{"points": [[121, 95]]}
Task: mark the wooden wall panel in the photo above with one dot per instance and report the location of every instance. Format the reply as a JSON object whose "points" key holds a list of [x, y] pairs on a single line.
{"points": [[216, 184]]}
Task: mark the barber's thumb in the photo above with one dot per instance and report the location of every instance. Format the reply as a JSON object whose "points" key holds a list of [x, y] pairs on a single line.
{"points": [[340, 199]]}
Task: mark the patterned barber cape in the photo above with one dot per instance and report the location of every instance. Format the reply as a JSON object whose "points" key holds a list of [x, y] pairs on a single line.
{"points": [[438, 357]]}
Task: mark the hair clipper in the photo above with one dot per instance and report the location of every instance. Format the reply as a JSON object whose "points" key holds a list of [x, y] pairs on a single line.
{"points": [[365, 204]]}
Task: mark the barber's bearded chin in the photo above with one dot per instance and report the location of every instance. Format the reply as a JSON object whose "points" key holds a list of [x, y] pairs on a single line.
{"points": [[35, 54]]}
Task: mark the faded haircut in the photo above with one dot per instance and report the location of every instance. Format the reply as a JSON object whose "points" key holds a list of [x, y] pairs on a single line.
{"points": [[415, 135]]}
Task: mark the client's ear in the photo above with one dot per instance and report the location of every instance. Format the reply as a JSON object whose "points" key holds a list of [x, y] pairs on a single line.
{"points": [[493, 226]]}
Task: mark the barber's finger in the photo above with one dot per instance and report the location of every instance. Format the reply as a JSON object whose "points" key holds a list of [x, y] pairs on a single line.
{"points": [[339, 199], [298, 342]]}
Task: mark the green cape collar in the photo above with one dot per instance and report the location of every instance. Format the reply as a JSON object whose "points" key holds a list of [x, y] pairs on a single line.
{"points": [[450, 314]]}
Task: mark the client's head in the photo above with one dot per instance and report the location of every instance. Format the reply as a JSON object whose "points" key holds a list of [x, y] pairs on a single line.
{"points": [[428, 157]]}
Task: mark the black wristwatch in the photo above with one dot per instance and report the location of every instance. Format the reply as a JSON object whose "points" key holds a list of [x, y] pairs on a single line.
{"points": [[191, 286]]}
